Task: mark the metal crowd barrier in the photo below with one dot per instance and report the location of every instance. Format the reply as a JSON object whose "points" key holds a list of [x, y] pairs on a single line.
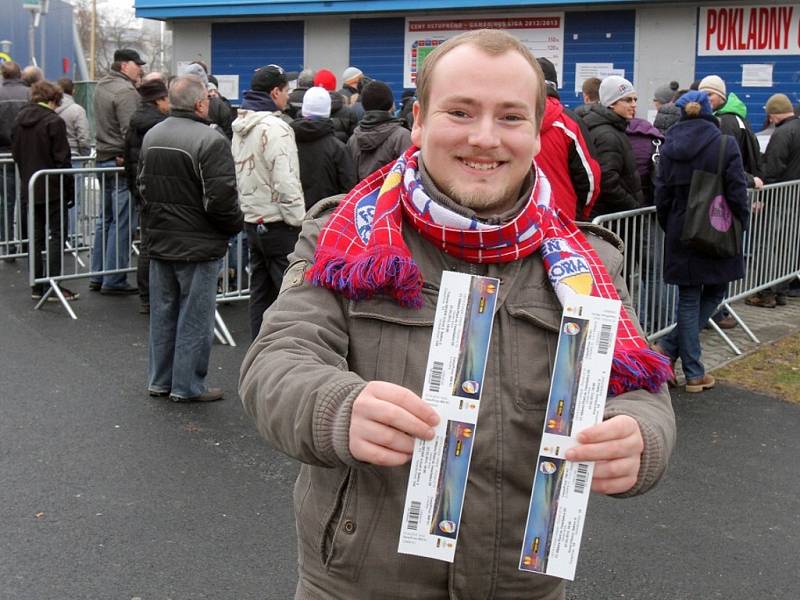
{"points": [[84, 230], [234, 282], [12, 242], [771, 252], [48, 219], [13, 216]]}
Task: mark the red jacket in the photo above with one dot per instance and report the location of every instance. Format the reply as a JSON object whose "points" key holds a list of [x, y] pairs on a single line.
{"points": [[567, 161]]}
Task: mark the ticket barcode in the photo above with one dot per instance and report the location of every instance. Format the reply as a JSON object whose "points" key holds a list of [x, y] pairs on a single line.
{"points": [[605, 339], [581, 478], [414, 510], [437, 371]]}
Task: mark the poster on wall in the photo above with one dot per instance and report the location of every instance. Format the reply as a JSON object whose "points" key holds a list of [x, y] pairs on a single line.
{"points": [[542, 33], [749, 30]]}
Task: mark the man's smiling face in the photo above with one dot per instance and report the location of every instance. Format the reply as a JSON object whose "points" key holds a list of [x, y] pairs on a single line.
{"points": [[478, 134]]}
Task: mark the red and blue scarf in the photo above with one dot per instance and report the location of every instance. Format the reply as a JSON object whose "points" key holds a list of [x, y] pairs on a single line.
{"points": [[361, 252]]}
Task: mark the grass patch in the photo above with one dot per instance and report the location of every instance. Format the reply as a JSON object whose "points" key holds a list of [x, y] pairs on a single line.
{"points": [[773, 369]]}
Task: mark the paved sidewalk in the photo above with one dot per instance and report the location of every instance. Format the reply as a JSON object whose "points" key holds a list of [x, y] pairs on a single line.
{"points": [[767, 324]]}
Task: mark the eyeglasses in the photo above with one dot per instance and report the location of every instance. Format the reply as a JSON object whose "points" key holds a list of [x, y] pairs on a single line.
{"points": [[629, 99]]}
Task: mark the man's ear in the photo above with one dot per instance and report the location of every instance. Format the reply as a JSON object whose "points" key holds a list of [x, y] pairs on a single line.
{"points": [[416, 128]]}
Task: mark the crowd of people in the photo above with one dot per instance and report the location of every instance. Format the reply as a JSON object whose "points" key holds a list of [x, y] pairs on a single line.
{"points": [[352, 206], [292, 147]]}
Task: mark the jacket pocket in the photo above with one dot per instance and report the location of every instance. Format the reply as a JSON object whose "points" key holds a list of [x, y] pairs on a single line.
{"points": [[350, 522], [534, 327]]}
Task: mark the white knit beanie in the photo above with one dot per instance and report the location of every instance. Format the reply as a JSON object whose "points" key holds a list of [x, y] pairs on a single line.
{"points": [[614, 87], [714, 83], [316, 103]]}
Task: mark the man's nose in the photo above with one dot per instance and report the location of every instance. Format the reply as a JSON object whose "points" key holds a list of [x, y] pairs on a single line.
{"points": [[484, 133]]}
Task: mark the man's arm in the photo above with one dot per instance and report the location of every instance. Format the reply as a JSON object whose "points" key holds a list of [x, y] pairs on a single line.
{"points": [[220, 196], [125, 105], [296, 384], [82, 132]]}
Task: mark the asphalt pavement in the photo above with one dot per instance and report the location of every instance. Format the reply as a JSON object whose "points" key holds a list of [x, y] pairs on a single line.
{"points": [[108, 493]]}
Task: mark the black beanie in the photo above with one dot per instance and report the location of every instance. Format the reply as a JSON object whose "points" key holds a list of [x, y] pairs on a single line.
{"points": [[377, 96], [549, 71]]}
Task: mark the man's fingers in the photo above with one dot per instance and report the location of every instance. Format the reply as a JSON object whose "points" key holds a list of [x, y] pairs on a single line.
{"points": [[396, 417], [614, 469], [613, 486], [405, 399], [377, 455], [387, 437], [614, 428], [606, 450]]}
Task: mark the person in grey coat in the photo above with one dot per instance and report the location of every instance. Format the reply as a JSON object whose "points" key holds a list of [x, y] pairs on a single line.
{"points": [[380, 137], [115, 101], [74, 115]]}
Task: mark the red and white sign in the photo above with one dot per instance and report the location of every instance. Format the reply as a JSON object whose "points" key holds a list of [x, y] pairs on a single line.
{"points": [[749, 30]]}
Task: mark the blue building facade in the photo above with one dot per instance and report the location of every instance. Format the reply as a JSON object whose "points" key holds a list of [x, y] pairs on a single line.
{"points": [[55, 28], [651, 43]]}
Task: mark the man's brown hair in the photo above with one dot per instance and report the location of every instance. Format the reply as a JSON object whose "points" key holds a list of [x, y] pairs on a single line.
{"points": [[10, 70], [44, 91], [493, 42], [65, 83], [591, 87]]}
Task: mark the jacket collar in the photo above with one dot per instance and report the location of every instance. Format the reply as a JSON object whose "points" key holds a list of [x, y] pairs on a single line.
{"points": [[188, 114]]}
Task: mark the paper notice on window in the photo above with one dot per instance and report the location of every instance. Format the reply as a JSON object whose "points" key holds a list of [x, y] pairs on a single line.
{"points": [[453, 385], [757, 75], [584, 71], [228, 86], [578, 391]]}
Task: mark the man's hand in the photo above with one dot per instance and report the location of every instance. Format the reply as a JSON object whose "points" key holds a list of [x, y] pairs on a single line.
{"points": [[616, 447], [758, 183], [385, 420]]}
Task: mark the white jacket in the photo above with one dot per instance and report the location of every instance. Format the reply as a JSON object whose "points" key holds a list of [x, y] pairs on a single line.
{"points": [[267, 169]]}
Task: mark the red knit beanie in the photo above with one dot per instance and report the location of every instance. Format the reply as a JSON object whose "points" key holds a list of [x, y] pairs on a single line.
{"points": [[325, 78]]}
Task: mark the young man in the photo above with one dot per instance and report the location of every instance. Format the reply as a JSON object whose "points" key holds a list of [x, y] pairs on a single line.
{"points": [[74, 115], [620, 187], [187, 184], [334, 376], [270, 192]]}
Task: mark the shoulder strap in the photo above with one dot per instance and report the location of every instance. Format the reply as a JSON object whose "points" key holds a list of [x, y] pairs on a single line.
{"points": [[722, 145]]}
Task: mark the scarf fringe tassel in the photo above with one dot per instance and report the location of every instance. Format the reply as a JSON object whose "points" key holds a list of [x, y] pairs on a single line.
{"points": [[639, 369], [381, 270]]}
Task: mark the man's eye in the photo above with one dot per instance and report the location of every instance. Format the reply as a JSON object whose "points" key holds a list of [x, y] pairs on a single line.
{"points": [[513, 118], [457, 113]]}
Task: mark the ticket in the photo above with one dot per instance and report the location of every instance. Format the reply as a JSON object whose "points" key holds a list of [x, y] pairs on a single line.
{"points": [[578, 391], [462, 329]]}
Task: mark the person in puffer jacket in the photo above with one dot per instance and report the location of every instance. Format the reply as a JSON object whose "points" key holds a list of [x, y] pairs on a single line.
{"points": [[620, 188], [326, 168], [380, 137], [268, 178]]}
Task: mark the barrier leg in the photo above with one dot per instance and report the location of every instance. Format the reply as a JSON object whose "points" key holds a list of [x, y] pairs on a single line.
{"points": [[224, 329], [725, 337], [741, 323], [74, 251], [54, 289]]}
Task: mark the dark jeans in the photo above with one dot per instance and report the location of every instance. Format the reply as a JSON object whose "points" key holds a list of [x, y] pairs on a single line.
{"points": [[270, 245], [182, 304], [696, 304], [49, 224]]}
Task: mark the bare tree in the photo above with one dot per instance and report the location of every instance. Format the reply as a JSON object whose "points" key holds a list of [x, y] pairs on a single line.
{"points": [[116, 29]]}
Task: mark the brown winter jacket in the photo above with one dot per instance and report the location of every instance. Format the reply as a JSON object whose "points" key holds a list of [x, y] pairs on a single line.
{"points": [[314, 354]]}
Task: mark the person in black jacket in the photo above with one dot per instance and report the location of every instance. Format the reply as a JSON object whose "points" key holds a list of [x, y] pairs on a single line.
{"points": [[694, 144], [152, 110], [326, 168], [781, 163], [732, 115], [620, 187], [187, 182], [40, 142]]}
